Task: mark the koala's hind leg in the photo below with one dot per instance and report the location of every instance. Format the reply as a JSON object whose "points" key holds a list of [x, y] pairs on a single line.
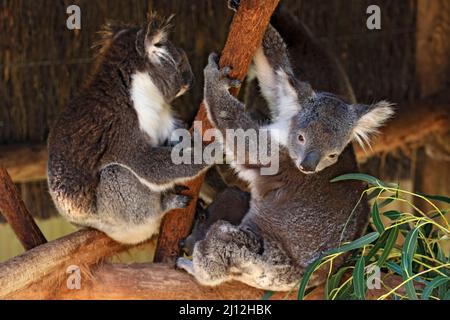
{"points": [[127, 211], [219, 257]]}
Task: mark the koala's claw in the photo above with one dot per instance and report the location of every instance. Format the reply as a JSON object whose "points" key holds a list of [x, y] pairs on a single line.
{"points": [[235, 83], [234, 4], [183, 201], [185, 264], [180, 188], [225, 71], [213, 60]]}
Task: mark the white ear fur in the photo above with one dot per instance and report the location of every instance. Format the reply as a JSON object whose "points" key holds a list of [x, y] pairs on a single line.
{"points": [[266, 77], [157, 54], [370, 119], [287, 98]]}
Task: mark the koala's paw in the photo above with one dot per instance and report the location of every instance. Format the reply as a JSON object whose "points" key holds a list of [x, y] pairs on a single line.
{"points": [[219, 77], [182, 201], [234, 4], [185, 264], [172, 201], [180, 188]]}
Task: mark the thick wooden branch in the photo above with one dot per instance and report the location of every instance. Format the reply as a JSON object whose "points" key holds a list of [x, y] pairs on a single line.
{"points": [[245, 36], [139, 281], [17, 215], [25, 163], [159, 282], [83, 248]]}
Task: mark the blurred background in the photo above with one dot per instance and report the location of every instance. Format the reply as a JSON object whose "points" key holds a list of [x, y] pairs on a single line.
{"points": [[43, 65]]}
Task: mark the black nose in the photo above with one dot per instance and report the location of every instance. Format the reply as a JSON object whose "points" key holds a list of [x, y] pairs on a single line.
{"points": [[310, 162]]}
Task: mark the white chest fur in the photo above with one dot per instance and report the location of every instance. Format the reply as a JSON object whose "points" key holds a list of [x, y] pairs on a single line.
{"points": [[154, 114]]}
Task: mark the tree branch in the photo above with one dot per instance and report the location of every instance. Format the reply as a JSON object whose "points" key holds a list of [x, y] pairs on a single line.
{"points": [[82, 248], [17, 215], [161, 282]]}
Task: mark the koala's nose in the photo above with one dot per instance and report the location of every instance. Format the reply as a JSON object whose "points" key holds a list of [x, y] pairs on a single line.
{"points": [[310, 162]]}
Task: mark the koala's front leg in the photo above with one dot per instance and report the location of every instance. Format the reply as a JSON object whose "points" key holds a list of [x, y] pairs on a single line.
{"points": [[155, 166], [224, 110]]}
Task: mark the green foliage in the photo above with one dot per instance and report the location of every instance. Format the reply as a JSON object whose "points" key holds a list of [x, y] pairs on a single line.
{"points": [[405, 244]]}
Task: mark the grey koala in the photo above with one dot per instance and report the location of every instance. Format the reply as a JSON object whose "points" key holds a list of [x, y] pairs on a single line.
{"points": [[230, 204], [289, 223], [109, 164]]}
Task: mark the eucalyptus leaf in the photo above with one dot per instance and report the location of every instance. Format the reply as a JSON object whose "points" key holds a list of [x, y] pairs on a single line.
{"points": [[392, 214], [358, 279], [366, 178], [408, 250], [436, 282], [358, 243], [267, 295], [436, 197], [306, 276], [334, 281], [390, 243], [377, 219]]}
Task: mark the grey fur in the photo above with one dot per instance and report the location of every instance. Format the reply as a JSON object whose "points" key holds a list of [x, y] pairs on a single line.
{"points": [[105, 171], [293, 217], [230, 204]]}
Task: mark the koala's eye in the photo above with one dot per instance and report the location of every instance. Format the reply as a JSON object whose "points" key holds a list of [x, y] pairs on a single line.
{"points": [[158, 45], [332, 156], [202, 217], [301, 138]]}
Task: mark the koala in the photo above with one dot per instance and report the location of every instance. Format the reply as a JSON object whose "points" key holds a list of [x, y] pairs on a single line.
{"points": [[296, 214], [231, 204], [109, 164]]}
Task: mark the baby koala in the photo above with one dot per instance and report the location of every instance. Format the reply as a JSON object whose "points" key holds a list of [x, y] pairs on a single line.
{"points": [[109, 165], [297, 214], [230, 204]]}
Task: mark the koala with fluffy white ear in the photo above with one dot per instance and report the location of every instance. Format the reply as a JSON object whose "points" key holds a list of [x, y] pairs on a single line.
{"points": [[294, 216], [109, 165]]}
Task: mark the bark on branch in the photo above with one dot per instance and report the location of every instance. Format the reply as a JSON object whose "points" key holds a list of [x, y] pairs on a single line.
{"points": [[161, 282], [48, 262], [17, 215]]}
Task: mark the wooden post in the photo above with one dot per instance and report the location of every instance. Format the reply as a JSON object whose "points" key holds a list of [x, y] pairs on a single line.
{"points": [[246, 33], [17, 215]]}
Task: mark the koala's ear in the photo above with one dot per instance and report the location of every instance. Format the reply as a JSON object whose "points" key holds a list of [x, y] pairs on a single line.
{"points": [[149, 39], [290, 94], [369, 118], [285, 86]]}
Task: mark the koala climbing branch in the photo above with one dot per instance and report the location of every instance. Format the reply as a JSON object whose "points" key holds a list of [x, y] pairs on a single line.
{"points": [[245, 35], [17, 215]]}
